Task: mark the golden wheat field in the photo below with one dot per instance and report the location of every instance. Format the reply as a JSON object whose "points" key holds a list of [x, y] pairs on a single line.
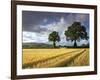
{"points": [[62, 57]]}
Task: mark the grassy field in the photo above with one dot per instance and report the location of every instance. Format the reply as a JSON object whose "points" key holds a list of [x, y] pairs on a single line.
{"points": [[63, 57]]}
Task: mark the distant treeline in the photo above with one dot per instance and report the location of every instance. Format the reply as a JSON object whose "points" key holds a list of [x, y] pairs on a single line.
{"points": [[36, 45], [42, 45]]}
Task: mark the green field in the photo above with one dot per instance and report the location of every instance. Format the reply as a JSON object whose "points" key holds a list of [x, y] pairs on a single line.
{"points": [[62, 57]]}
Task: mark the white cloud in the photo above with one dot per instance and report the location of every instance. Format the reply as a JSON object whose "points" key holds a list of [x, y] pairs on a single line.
{"points": [[58, 26], [62, 21], [83, 42], [45, 20], [34, 37]]}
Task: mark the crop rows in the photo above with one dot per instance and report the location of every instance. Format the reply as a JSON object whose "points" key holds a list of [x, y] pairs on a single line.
{"points": [[56, 61]]}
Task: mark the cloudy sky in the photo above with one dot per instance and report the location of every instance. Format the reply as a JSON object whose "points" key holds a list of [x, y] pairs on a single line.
{"points": [[37, 26]]}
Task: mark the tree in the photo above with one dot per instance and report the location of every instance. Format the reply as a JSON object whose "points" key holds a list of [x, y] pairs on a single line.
{"points": [[76, 32], [54, 36]]}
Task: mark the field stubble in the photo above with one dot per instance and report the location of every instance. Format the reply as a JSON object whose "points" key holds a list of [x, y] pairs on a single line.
{"points": [[44, 58]]}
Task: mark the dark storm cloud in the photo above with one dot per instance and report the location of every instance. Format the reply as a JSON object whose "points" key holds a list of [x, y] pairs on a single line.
{"points": [[33, 20]]}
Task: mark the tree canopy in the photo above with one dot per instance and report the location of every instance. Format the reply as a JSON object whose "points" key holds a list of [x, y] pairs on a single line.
{"points": [[54, 36], [76, 32]]}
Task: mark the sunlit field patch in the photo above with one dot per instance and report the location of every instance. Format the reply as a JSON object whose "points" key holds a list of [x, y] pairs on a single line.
{"points": [[62, 57]]}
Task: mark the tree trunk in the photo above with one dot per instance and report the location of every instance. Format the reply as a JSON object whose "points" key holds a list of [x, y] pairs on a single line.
{"points": [[54, 44], [75, 44]]}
